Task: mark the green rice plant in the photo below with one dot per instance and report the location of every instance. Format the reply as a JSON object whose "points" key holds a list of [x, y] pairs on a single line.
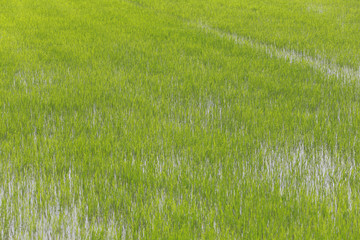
{"points": [[179, 120]]}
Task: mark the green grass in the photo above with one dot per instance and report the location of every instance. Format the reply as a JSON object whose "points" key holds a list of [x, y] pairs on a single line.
{"points": [[179, 119]]}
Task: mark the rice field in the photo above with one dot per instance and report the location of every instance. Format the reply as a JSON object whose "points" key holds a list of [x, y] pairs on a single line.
{"points": [[187, 119]]}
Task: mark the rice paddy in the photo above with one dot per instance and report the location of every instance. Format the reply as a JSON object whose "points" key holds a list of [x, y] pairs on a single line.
{"points": [[179, 119]]}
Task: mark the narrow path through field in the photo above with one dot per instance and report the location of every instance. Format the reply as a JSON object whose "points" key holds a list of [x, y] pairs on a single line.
{"points": [[321, 64], [326, 67]]}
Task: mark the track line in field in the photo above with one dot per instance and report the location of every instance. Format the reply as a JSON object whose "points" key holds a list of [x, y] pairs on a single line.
{"points": [[321, 64], [330, 69]]}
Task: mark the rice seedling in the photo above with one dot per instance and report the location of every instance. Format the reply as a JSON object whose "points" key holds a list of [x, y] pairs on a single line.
{"points": [[155, 119]]}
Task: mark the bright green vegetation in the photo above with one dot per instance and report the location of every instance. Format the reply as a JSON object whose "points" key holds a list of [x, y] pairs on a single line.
{"points": [[145, 120]]}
